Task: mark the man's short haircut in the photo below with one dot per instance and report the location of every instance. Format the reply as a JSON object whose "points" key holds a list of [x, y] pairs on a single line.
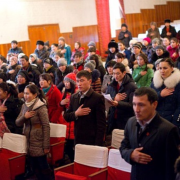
{"points": [[151, 93], [119, 66], [92, 49], [14, 42], [77, 54], [25, 57], [85, 74]]}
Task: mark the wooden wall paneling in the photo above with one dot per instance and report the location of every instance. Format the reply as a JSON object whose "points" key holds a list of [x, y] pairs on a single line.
{"points": [[68, 39], [4, 49], [25, 47]]}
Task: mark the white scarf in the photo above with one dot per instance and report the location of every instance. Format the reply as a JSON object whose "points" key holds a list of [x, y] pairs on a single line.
{"points": [[28, 104]]}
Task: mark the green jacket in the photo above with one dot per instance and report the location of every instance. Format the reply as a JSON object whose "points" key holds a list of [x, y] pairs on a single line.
{"points": [[143, 81]]}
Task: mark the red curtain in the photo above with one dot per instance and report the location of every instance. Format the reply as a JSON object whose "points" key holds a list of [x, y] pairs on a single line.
{"points": [[123, 10], [103, 18]]}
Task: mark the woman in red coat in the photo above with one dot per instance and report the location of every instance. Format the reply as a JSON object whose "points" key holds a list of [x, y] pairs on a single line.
{"points": [[70, 88], [53, 96]]}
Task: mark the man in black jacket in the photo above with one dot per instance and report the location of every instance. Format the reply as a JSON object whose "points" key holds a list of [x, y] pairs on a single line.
{"points": [[151, 143], [87, 110], [168, 31], [15, 50]]}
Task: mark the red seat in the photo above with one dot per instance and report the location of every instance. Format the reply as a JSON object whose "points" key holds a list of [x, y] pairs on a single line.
{"points": [[89, 161], [12, 156], [118, 169], [57, 142]]}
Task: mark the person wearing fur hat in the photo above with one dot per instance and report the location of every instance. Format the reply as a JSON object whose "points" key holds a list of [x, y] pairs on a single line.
{"points": [[96, 81], [15, 50], [137, 49], [160, 53], [34, 61], [153, 31], [61, 72], [108, 77], [77, 47], [143, 72], [168, 31], [13, 68], [146, 44], [113, 49], [49, 68], [125, 35], [65, 49], [3, 64], [22, 81], [166, 83], [53, 96], [70, 89], [41, 52], [78, 62], [151, 49]]}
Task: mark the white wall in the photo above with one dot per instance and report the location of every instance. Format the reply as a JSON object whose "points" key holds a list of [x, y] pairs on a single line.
{"points": [[134, 6], [16, 15]]}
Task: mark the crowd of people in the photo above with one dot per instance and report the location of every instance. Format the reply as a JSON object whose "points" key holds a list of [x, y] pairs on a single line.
{"points": [[59, 85]]}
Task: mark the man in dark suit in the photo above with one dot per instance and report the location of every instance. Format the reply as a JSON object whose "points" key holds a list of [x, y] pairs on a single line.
{"points": [[151, 143], [87, 110]]}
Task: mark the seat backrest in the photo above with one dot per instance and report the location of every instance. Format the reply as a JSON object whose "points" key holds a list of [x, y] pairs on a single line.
{"points": [[14, 142], [89, 159], [117, 137], [57, 130], [117, 162]]}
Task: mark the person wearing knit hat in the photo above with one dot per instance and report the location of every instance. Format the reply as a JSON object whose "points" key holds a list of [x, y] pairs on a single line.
{"points": [[62, 62], [148, 40], [49, 68], [146, 44], [125, 35], [91, 44], [65, 49], [89, 66], [24, 74], [20, 55], [168, 30], [113, 49], [71, 77]]}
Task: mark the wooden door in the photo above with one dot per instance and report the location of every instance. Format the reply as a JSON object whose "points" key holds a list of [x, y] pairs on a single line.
{"points": [[49, 32]]}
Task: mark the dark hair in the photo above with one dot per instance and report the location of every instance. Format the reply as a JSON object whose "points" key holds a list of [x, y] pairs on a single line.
{"points": [[35, 90], [78, 54], [78, 43], [85, 74], [92, 49], [54, 44], [14, 42], [111, 64], [10, 88], [168, 60], [25, 57], [121, 42], [120, 55], [47, 77], [72, 90], [3, 58], [119, 66], [174, 39], [58, 53], [96, 59], [151, 93], [144, 56]]}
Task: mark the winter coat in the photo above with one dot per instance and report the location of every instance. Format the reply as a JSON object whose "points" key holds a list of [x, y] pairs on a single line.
{"points": [[33, 73], [106, 81], [13, 109], [154, 57], [12, 76], [3, 68], [42, 54], [131, 61], [143, 81], [156, 33], [39, 67], [124, 110], [169, 106], [67, 54], [81, 49], [51, 71], [59, 76], [97, 53], [36, 128], [124, 39], [125, 62], [16, 50], [96, 81], [127, 53], [110, 57], [89, 129], [171, 30], [150, 51], [54, 98], [172, 51], [177, 63], [79, 66]]}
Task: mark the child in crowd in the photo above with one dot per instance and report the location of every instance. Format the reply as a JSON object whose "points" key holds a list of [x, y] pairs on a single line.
{"points": [[143, 72], [173, 49], [120, 58], [113, 49], [77, 47], [53, 96], [123, 50]]}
